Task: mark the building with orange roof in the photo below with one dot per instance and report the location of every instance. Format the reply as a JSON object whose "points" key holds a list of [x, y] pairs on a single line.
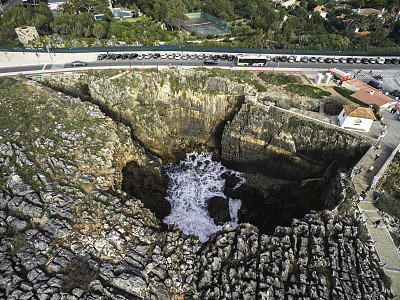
{"points": [[321, 10], [356, 118], [367, 93], [369, 11]]}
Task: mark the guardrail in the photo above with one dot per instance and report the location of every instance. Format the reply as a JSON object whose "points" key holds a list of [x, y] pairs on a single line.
{"points": [[396, 52]]}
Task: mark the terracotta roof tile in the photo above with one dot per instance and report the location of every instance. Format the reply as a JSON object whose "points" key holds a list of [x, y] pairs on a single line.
{"points": [[359, 112], [364, 93]]}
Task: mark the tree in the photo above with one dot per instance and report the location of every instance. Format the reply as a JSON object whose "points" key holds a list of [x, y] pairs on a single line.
{"points": [[98, 30], [16, 17]]}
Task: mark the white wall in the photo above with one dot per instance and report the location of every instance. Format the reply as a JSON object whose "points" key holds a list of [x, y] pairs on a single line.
{"points": [[349, 123]]}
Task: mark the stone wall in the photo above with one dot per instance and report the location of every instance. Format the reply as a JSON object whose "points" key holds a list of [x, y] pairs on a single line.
{"points": [[281, 144]]}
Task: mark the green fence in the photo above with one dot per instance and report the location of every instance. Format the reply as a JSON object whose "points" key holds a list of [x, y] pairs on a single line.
{"points": [[214, 26], [202, 49]]}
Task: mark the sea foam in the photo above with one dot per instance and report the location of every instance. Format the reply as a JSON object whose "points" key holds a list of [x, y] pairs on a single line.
{"points": [[191, 183]]}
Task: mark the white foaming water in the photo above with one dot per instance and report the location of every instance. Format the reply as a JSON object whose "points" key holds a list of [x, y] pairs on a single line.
{"points": [[191, 183]]}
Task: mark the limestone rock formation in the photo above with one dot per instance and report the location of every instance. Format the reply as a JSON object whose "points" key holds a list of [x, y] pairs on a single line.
{"points": [[67, 231], [285, 145]]}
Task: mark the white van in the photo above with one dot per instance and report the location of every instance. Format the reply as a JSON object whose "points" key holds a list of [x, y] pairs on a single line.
{"points": [[298, 58]]}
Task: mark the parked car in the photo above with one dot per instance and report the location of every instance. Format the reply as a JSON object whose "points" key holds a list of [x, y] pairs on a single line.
{"points": [[304, 59], [342, 60], [298, 58], [185, 56], [148, 55], [335, 60], [375, 84], [380, 60], [193, 56], [101, 56], [140, 56], [224, 56], [395, 93], [291, 59], [372, 60], [164, 55], [276, 58], [388, 61], [201, 56], [156, 55], [78, 63], [231, 57], [320, 59], [178, 56], [210, 62], [350, 60], [268, 57], [365, 61], [312, 59], [133, 55], [357, 60], [171, 55], [395, 61], [283, 58], [216, 56], [328, 60]]}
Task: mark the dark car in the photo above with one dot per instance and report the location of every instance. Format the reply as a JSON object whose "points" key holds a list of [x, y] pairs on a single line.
{"points": [[276, 58], [101, 56], [395, 61], [78, 63], [283, 58], [210, 61], [231, 57], [133, 55], [365, 61], [216, 56], [224, 56], [395, 93], [109, 55], [387, 61], [156, 55], [350, 60], [124, 55], [375, 84], [313, 59], [328, 60]]}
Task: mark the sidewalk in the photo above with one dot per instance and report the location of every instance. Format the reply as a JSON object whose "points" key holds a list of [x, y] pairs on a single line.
{"points": [[384, 245]]}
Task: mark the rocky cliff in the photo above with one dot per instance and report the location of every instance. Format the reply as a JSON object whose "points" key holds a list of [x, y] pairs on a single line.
{"points": [[282, 144], [170, 113], [68, 232]]}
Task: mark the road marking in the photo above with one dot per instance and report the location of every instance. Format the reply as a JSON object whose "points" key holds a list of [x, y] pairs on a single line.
{"points": [[44, 67]]}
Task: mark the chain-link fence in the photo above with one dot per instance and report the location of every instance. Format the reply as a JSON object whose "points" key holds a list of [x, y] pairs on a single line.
{"points": [[202, 49], [202, 24]]}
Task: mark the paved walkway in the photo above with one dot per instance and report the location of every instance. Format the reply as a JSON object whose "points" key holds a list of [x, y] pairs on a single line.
{"points": [[384, 245]]}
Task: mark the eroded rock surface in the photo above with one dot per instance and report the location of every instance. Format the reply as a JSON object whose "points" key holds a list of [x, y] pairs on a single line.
{"points": [[67, 231]]}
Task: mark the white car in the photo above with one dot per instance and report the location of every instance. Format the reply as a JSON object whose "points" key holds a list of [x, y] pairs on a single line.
{"points": [[148, 55], [291, 59], [380, 60], [335, 60], [320, 59], [164, 55], [185, 56], [372, 60], [193, 56], [140, 56], [178, 56], [78, 63], [201, 56], [171, 55]]}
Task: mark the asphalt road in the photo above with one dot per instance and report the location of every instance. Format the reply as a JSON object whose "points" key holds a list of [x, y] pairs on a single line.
{"points": [[135, 63]]}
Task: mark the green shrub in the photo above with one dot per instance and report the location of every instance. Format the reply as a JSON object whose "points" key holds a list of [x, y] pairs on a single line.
{"points": [[347, 94], [389, 204], [334, 105], [307, 90], [278, 78]]}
